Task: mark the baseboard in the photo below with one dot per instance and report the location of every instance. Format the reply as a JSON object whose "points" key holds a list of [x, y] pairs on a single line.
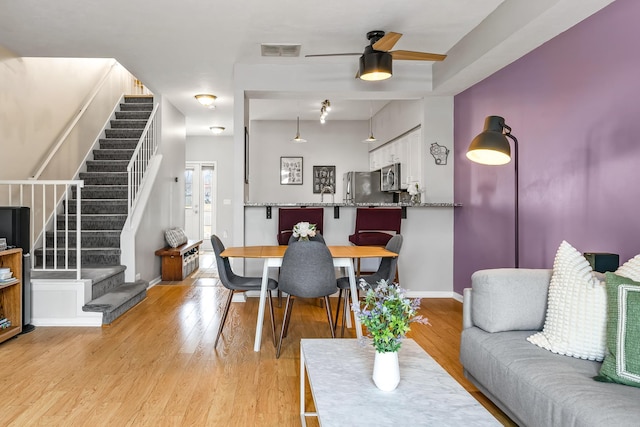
{"points": [[154, 282]]}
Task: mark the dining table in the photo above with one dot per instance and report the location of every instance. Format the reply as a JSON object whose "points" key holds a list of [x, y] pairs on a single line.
{"points": [[343, 257]]}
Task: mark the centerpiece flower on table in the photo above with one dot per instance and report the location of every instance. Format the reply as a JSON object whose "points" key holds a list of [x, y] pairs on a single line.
{"points": [[304, 230], [386, 314]]}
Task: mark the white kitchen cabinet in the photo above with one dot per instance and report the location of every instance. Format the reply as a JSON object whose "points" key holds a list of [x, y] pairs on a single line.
{"points": [[406, 150]]}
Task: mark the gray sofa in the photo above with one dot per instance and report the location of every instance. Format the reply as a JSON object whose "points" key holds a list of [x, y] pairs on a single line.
{"points": [[533, 386]]}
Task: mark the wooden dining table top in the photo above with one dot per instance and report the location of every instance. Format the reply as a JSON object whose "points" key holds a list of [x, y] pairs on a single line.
{"points": [[278, 252]]}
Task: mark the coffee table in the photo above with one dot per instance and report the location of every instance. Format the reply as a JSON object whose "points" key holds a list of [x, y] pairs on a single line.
{"points": [[344, 394]]}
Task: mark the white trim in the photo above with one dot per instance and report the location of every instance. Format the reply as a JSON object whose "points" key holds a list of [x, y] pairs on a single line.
{"points": [[58, 302], [621, 362]]}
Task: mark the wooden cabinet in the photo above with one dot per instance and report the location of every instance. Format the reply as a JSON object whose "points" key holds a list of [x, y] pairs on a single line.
{"points": [[178, 263], [11, 293]]}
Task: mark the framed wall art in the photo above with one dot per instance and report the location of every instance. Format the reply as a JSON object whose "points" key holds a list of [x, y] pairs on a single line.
{"points": [[324, 177], [291, 170]]}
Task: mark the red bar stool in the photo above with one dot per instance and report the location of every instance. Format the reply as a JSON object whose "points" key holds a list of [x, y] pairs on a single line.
{"points": [[288, 217], [375, 227]]}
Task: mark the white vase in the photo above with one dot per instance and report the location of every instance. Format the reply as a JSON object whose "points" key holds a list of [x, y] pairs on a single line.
{"points": [[386, 370]]}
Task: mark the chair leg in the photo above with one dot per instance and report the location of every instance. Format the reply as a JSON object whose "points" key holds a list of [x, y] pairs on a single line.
{"points": [[273, 322], [328, 308], [290, 305], [335, 322], [285, 322], [345, 311], [224, 317], [279, 298]]}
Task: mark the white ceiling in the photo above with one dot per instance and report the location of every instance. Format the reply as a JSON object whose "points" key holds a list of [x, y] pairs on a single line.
{"points": [[181, 48]]}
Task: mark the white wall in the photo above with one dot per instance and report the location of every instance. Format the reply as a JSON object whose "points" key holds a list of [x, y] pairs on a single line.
{"points": [[218, 149], [38, 98], [336, 143], [165, 207], [396, 118]]}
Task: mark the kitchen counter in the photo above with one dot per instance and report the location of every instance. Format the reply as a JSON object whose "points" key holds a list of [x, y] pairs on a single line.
{"points": [[352, 205]]}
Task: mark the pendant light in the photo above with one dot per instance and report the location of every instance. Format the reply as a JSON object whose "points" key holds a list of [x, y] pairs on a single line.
{"points": [[371, 137], [298, 139]]}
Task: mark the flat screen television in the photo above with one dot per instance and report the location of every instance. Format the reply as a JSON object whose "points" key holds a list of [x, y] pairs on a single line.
{"points": [[14, 226]]}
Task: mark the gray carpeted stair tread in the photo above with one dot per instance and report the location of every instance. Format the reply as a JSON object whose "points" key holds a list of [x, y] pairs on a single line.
{"points": [[104, 213], [126, 295]]}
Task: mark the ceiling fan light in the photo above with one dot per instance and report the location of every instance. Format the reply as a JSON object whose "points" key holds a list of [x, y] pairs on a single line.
{"points": [[375, 66], [206, 99]]}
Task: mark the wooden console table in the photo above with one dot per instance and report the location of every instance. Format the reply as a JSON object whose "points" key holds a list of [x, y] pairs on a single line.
{"points": [[179, 262]]}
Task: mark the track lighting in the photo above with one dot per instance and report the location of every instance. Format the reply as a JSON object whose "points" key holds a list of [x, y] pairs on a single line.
{"points": [[325, 107]]}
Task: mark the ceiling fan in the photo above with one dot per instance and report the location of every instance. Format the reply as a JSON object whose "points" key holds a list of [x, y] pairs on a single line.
{"points": [[376, 60]]}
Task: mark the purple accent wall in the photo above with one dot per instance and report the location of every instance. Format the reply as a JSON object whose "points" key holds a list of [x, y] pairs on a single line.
{"points": [[574, 105]]}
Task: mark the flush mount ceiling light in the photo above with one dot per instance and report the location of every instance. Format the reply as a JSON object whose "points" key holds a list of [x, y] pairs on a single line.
{"points": [[217, 130], [298, 139], [206, 99]]}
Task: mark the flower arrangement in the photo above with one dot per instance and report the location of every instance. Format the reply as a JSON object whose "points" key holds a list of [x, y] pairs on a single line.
{"points": [[414, 189], [415, 192], [387, 314], [304, 230]]}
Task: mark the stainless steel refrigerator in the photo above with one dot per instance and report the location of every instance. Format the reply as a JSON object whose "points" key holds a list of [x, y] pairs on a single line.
{"points": [[364, 187]]}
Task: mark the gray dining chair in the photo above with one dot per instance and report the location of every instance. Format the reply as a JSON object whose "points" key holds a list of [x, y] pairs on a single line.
{"points": [[235, 283], [386, 271], [307, 271]]}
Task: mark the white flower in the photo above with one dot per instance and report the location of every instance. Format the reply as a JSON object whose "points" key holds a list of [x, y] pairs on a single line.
{"points": [[304, 230]]}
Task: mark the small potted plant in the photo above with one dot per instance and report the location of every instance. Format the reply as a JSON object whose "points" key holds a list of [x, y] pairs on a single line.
{"points": [[386, 314], [304, 230]]}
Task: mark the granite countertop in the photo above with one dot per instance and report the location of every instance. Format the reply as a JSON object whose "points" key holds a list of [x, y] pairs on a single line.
{"points": [[351, 205]]}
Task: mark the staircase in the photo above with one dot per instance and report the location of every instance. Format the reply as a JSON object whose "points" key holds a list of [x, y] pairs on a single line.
{"points": [[104, 212]]}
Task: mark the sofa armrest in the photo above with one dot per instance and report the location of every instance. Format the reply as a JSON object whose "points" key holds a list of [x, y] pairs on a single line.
{"points": [[508, 299]]}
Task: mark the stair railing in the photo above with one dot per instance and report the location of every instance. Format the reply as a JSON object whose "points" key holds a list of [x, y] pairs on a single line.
{"points": [[48, 201], [142, 155]]}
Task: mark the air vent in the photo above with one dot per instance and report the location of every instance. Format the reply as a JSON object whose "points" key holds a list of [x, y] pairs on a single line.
{"points": [[291, 50]]}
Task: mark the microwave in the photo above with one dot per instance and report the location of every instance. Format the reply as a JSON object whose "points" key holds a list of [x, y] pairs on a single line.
{"points": [[390, 178]]}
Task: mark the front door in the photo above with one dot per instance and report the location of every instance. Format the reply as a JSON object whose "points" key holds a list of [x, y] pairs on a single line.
{"points": [[200, 191]]}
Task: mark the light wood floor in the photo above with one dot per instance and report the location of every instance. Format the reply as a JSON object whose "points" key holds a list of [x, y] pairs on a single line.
{"points": [[156, 365]]}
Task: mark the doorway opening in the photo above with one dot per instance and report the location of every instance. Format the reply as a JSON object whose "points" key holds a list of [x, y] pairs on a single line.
{"points": [[200, 180]]}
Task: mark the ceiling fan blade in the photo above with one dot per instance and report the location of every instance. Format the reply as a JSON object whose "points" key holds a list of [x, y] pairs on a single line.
{"points": [[334, 54], [417, 56], [387, 42]]}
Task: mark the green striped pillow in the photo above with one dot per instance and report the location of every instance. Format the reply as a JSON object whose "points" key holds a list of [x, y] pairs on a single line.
{"points": [[622, 358]]}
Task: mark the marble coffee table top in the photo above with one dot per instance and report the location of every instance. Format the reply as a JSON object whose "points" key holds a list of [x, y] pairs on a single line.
{"points": [[339, 372]]}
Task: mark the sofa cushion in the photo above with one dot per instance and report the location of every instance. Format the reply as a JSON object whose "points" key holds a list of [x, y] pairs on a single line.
{"points": [[575, 324], [509, 299], [630, 269], [545, 389], [622, 360]]}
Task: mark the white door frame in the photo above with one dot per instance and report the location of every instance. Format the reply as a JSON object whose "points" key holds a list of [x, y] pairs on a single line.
{"points": [[200, 202]]}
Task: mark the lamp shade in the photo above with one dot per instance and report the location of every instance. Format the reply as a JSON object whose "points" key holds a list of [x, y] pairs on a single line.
{"points": [[491, 147], [375, 66]]}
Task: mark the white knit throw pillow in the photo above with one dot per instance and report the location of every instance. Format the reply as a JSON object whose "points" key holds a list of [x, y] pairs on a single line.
{"points": [[630, 269], [576, 309]]}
